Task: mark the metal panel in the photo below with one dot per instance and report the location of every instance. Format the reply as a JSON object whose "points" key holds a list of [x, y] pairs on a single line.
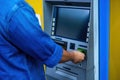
{"points": [[96, 38]]}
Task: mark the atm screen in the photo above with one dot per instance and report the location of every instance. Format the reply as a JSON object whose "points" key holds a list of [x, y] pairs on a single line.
{"points": [[72, 23]]}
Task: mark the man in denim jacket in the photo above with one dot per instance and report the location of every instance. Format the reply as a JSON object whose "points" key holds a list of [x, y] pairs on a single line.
{"points": [[24, 47]]}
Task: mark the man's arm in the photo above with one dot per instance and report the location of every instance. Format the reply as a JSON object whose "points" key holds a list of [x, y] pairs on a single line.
{"points": [[26, 35], [74, 56]]}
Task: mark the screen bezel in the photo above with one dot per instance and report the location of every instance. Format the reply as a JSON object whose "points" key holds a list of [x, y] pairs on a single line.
{"points": [[54, 16]]}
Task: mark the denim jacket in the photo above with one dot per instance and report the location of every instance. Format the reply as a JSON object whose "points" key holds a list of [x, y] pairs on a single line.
{"points": [[24, 47]]}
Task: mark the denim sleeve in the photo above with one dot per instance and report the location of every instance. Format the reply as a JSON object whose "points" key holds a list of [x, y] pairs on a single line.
{"points": [[26, 35]]}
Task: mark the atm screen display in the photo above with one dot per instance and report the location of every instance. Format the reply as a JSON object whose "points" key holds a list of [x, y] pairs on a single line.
{"points": [[72, 23]]}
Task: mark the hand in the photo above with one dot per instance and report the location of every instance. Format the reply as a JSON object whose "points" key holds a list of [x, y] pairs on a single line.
{"points": [[77, 56]]}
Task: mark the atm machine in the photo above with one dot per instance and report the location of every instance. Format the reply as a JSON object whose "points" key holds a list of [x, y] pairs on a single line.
{"points": [[70, 24]]}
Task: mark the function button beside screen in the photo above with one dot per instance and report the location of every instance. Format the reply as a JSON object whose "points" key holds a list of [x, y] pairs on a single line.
{"points": [[88, 29], [53, 24], [87, 34], [53, 28], [52, 33], [53, 19], [86, 39]]}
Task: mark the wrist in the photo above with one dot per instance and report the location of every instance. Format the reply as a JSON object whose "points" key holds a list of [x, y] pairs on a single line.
{"points": [[71, 56]]}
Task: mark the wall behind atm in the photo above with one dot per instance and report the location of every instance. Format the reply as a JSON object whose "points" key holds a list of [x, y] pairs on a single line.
{"points": [[114, 73], [38, 7], [114, 40]]}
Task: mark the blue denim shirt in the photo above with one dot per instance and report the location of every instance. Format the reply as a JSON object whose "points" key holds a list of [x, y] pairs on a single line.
{"points": [[24, 47]]}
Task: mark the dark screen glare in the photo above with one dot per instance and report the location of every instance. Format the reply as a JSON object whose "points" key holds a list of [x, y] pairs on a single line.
{"points": [[72, 23]]}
